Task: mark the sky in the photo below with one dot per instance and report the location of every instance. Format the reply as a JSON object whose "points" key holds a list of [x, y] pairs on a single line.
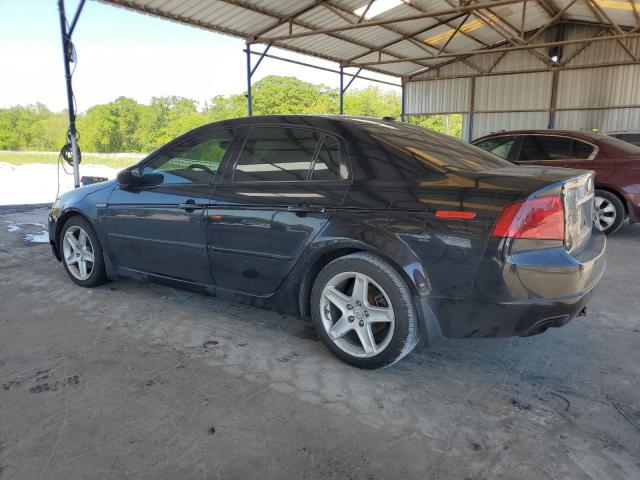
{"points": [[124, 53]]}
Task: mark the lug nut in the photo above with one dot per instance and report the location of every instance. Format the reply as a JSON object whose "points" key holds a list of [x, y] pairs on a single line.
{"points": [[361, 323], [366, 313], [351, 319], [358, 303], [349, 307]]}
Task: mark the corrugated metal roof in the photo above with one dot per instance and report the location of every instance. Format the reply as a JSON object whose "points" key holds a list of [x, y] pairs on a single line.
{"points": [[402, 44]]}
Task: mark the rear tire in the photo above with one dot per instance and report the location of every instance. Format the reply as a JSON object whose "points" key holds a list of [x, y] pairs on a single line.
{"points": [[363, 311], [608, 212], [81, 253]]}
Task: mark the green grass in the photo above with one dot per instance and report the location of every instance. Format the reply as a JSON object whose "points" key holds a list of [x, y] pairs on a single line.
{"points": [[51, 158]]}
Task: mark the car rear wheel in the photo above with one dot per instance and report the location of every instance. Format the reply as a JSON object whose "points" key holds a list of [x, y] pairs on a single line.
{"points": [[82, 253], [363, 311], [608, 212]]}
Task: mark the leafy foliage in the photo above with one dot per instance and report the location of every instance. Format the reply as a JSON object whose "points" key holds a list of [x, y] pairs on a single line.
{"points": [[124, 125]]}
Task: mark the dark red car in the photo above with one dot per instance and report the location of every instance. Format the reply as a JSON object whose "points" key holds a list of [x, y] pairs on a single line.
{"points": [[616, 163]]}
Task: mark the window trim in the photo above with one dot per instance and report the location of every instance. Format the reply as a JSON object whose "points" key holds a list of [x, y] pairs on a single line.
{"points": [[179, 141], [511, 149], [595, 151], [229, 176]]}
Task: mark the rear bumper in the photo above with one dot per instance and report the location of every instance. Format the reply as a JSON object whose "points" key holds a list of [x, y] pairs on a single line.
{"points": [[529, 292], [633, 204]]}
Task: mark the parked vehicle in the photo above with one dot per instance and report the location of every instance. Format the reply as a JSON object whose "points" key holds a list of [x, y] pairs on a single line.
{"points": [[629, 137], [381, 232], [616, 163]]}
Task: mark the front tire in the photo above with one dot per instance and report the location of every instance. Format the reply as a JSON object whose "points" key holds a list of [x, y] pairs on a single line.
{"points": [[363, 311], [608, 212], [82, 253]]}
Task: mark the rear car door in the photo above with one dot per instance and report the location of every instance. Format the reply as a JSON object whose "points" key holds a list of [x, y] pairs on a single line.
{"points": [[157, 226], [273, 200], [555, 150]]}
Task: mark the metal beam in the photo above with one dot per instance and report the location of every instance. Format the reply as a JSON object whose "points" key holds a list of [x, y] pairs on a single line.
{"points": [[378, 23], [326, 69], [262, 55], [403, 101], [352, 79], [424, 45], [67, 46], [602, 15], [500, 50], [519, 71], [454, 33], [72, 27], [341, 90], [523, 20], [269, 13], [288, 18], [551, 22], [249, 103], [366, 10]]}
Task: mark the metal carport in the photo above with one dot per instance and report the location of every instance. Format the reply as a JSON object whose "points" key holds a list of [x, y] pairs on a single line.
{"points": [[505, 63]]}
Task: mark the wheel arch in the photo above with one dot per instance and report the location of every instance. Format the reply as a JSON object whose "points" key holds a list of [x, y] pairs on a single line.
{"points": [[617, 194], [62, 219], [325, 256]]}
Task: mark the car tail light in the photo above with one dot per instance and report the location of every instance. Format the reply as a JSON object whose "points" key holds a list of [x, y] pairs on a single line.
{"points": [[539, 218]]}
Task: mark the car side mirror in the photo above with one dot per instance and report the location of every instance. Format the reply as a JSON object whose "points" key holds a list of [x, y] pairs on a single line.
{"points": [[128, 177], [151, 179]]}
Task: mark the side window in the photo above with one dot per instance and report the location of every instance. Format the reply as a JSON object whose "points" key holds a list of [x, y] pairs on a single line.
{"points": [[545, 147], [500, 146], [195, 160], [327, 165], [276, 154], [581, 150]]}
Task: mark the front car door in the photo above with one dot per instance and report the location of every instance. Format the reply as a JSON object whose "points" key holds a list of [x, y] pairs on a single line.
{"points": [[157, 226], [272, 202], [500, 146]]}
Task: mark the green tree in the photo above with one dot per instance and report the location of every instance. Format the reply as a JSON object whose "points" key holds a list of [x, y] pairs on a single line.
{"points": [[448, 124], [125, 125]]}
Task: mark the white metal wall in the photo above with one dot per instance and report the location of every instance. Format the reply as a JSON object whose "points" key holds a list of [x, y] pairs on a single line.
{"points": [[603, 99]]}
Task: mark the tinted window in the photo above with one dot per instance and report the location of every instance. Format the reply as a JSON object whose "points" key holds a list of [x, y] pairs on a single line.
{"points": [[436, 151], [549, 147], [633, 138], [581, 150], [539, 147], [327, 164], [498, 146], [193, 161], [276, 154]]}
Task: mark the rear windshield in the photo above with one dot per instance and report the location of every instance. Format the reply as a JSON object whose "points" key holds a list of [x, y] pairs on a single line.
{"points": [[438, 151], [625, 146]]}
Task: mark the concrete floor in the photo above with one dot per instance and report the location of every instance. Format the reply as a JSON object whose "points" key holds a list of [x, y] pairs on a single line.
{"points": [[134, 380]]}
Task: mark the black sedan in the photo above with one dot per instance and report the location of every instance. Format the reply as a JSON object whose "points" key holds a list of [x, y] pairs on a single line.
{"points": [[382, 233]]}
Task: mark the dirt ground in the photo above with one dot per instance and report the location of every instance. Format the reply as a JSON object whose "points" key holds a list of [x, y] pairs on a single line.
{"points": [[136, 380]]}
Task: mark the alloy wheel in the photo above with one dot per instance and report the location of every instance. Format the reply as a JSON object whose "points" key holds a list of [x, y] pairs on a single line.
{"points": [[604, 213], [78, 251], [357, 314]]}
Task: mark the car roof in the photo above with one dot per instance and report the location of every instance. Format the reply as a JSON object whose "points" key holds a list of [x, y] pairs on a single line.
{"points": [[309, 120], [564, 133]]}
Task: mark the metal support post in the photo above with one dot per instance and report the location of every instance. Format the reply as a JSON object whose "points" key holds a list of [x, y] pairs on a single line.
{"points": [[67, 52]]}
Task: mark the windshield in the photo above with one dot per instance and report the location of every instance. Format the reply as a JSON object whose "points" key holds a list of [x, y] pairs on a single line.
{"points": [[440, 151]]}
